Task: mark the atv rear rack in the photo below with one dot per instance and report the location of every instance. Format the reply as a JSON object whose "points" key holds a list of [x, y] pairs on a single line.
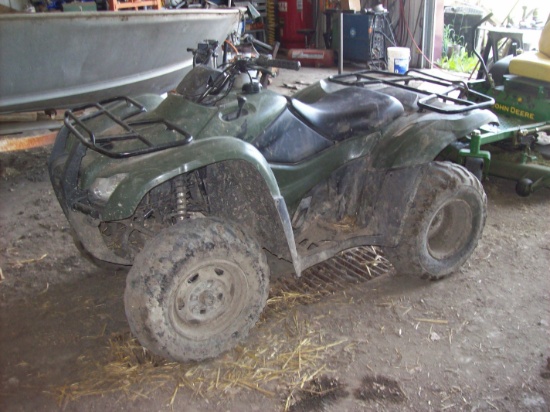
{"points": [[104, 144], [467, 99]]}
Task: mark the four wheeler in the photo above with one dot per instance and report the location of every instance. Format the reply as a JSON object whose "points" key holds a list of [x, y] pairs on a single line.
{"points": [[206, 191], [518, 147]]}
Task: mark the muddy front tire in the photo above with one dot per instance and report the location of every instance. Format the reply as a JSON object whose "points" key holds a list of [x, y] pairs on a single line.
{"points": [[196, 289], [444, 224]]}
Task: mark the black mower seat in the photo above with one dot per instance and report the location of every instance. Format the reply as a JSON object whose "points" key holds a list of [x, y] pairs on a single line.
{"points": [[349, 111]]}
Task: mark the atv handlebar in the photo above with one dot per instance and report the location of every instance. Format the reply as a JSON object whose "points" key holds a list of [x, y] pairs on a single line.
{"points": [[220, 85], [281, 64]]}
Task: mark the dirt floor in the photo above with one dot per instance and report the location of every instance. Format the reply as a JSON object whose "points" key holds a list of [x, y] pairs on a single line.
{"points": [[477, 341]]}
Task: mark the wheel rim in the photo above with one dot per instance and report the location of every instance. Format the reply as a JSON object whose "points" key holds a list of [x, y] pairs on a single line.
{"points": [[207, 299], [449, 230]]}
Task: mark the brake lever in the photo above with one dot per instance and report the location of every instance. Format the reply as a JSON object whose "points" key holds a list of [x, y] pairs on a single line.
{"points": [[262, 69]]}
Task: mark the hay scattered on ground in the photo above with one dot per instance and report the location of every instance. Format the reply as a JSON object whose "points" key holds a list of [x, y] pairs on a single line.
{"points": [[289, 353], [281, 362], [284, 300]]}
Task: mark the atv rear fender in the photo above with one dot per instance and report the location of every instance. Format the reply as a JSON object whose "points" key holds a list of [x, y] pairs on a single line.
{"points": [[418, 139]]}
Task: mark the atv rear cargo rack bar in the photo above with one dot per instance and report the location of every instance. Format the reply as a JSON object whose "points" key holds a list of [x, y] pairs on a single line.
{"points": [[473, 100], [103, 144]]}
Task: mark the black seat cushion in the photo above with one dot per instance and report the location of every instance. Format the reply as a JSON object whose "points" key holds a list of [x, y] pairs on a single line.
{"points": [[349, 111]]}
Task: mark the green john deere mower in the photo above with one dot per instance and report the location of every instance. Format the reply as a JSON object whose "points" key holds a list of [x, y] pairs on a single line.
{"points": [[518, 148]]}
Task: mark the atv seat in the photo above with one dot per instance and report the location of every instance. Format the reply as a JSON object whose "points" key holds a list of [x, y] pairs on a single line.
{"points": [[349, 111], [534, 65]]}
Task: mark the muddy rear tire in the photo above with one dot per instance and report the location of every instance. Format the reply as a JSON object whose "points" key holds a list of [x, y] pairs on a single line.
{"points": [[444, 224], [196, 289]]}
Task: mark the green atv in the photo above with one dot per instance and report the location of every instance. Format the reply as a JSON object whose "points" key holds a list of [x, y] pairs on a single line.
{"points": [[206, 191]]}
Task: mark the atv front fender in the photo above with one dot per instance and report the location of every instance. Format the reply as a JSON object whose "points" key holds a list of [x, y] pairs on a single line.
{"points": [[159, 167]]}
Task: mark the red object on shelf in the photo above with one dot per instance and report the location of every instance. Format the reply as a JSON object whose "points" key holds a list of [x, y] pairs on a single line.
{"points": [[294, 15], [115, 5]]}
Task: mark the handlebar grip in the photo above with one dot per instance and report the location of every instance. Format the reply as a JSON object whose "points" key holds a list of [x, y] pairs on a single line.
{"points": [[281, 64]]}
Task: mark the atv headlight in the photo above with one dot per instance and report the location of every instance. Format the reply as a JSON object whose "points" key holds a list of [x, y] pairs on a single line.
{"points": [[103, 187]]}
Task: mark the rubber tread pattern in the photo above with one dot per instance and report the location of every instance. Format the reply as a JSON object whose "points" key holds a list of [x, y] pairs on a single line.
{"points": [[441, 181]]}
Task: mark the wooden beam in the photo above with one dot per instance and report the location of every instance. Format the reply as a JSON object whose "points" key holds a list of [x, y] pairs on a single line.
{"points": [[15, 143]]}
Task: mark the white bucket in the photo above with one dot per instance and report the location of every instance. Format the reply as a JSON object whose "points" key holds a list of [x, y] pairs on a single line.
{"points": [[398, 59]]}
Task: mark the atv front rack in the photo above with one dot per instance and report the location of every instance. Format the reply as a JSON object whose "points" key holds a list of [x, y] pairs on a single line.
{"points": [[467, 99], [104, 144]]}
